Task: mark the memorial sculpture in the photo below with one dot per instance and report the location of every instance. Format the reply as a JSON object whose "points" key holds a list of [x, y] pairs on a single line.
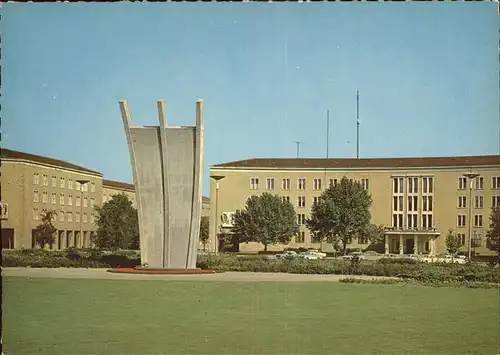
{"points": [[167, 165]]}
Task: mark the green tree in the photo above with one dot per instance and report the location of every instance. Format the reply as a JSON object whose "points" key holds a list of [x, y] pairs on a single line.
{"points": [[45, 231], [204, 231], [266, 219], [343, 213], [452, 242], [493, 234], [117, 224]]}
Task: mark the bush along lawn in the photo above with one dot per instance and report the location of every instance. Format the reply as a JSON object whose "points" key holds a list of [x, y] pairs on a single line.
{"points": [[472, 275]]}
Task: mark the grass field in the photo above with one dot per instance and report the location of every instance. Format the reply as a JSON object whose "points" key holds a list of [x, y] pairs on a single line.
{"points": [[56, 316]]}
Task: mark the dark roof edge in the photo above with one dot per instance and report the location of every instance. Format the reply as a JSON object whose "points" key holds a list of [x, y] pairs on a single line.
{"points": [[17, 155]]}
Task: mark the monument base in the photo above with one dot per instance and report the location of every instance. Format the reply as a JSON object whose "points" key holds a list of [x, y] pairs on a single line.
{"points": [[151, 271]]}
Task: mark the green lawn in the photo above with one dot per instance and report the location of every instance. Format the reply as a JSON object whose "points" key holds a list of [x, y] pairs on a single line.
{"points": [[56, 316]]}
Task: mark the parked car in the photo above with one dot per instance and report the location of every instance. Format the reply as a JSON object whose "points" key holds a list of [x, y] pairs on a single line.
{"points": [[317, 252], [287, 254], [309, 256], [354, 255], [459, 259]]}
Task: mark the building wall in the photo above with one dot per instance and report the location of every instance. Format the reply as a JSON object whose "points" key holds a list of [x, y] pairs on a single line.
{"points": [[19, 188], [235, 188]]}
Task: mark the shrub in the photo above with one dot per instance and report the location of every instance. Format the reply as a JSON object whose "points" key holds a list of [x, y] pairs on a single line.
{"points": [[396, 261]]}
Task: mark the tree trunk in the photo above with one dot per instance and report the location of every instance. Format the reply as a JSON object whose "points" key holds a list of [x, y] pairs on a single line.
{"points": [[344, 247], [265, 248]]}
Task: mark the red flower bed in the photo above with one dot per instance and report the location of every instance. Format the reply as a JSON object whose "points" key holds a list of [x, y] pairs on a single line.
{"points": [[161, 271]]}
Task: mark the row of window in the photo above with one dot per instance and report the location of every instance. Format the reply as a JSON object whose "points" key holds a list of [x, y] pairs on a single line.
{"points": [[478, 201], [412, 185], [62, 215], [301, 236], [412, 221], [478, 183], [412, 203], [62, 183], [476, 239], [45, 198], [301, 183], [462, 220]]}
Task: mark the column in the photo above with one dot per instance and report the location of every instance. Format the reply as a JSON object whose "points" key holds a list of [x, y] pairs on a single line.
{"points": [[431, 245], [401, 244], [386, 244], [415, 248]]}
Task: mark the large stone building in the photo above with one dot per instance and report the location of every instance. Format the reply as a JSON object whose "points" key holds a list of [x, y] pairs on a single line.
{"points": [[31, 184], [417, 199]]}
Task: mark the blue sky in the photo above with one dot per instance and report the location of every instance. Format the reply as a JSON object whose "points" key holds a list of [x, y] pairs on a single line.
{"points": [[427, 76]]}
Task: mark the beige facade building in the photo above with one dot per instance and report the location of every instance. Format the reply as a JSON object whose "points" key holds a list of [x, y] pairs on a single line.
{"points": [[32, 184], [417, 199]]}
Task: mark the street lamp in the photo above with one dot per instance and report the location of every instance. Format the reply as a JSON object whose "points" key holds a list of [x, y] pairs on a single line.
{"points": [[82, 183], [216, 178], [471, 177]]}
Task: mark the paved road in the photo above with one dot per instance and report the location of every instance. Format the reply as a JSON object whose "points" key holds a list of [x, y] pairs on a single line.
{"points": [[71, 273]]}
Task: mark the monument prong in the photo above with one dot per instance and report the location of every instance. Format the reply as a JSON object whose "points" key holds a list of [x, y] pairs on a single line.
{"points": [[162, 118]]}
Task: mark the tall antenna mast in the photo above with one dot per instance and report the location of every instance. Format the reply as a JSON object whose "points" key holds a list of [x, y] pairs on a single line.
{"points": [[357, 124], [298, 148], [327, 131]]}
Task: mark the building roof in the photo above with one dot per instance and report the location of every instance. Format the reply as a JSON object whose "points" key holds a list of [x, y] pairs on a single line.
{"points": [[118, 185], [131, 187], [13, 154], [350, 163]]}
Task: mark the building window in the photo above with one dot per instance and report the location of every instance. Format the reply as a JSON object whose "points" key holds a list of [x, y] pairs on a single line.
{"points": [[54, 181], [92, 217], [495, 201], [365, 184], [45, 180], [462, 202], [397, 203], [54, 216], [495, 182], [300, 237], [254, 183], [478, 220], [315, 200], [476, 241], [479, 183], [301, 184], [301, 201], [412, 203], [285, 198], [427, 203], [412, 185], [61, 183], [462, 183], [85, 187], [61, 199], [333, 182], [397, 221], [317, 184], [461, 220], [77, 186], [45, 197], [70, 184], [85, 201], [285, 184], [301, 219], [35, 196], [427, 185], [36, 179], [35, 214], [92, 186], [398, 185], [92, 202], [69, 216], [70, 200], [427, 221], [77, 201], [77, 217], [412, 221], [53, 198], [85, 218], [270, 183], [478, 202], [461, 239]]}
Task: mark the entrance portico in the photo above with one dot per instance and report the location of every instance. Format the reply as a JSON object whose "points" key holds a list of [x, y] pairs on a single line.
{"points": [[414, 241]]}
